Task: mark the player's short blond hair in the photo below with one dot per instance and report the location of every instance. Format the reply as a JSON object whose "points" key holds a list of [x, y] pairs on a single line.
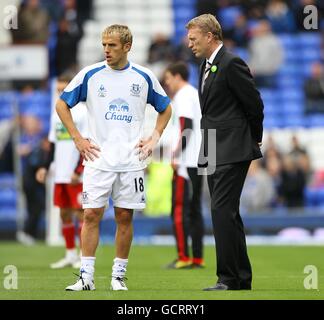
{"points": [[207, 23], [123, 31]]}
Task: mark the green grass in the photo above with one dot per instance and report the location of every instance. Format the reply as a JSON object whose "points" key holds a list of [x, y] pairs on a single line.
{"points": [[278, 274]]}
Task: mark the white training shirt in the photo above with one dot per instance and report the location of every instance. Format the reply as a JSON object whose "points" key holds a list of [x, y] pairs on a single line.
{"points": [[116, 102], [186, 104], [66, 156]]}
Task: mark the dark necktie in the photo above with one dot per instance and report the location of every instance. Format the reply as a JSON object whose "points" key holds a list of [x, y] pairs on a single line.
{"points": [[206, 73]]}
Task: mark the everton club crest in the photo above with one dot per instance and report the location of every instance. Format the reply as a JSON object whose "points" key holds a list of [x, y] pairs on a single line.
{"points": [[135, 90]]}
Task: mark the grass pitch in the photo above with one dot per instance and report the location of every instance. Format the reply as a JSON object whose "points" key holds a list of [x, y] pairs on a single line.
{"points": [[278, 274]]}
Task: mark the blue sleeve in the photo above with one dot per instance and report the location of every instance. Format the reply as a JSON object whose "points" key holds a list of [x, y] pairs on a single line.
{"points": [[77, 89], [156, 96], [73, 97], [158, 101]]}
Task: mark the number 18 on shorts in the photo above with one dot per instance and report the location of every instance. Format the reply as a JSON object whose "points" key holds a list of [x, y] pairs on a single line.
{"points": [[125, 188]]}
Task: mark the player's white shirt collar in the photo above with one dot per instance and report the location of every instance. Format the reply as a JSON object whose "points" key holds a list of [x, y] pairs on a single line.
{"points": [[127, 66]]}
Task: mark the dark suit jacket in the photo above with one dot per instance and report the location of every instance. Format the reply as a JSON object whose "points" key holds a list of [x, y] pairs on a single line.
{"points": [[232, 105]]}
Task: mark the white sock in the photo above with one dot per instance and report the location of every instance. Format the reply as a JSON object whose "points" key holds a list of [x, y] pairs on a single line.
{"points": [[71, 254], [87, 267], [119, 268]]}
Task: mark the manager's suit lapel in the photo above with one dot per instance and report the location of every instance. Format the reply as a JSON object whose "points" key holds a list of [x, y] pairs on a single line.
{"points": [[210, 78]]}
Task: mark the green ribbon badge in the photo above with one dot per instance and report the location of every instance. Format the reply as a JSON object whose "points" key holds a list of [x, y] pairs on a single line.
{"points": [[213, 69]]}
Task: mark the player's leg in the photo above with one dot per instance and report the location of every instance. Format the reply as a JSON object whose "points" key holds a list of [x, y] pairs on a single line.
{"points": [[124, 231], [97, 186], [68, 231], [68, 198], [128, 194], [180, 216], [74, 195], [90, 240], [90, 231], [123, 241], [61, 200]]}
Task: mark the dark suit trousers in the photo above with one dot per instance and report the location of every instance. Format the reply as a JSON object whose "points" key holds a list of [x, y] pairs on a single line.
{"points": [[225, 187]]}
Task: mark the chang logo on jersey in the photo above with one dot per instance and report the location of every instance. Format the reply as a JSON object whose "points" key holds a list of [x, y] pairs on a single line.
{"points": [[118, 111], [135, 90], [102, 92]]}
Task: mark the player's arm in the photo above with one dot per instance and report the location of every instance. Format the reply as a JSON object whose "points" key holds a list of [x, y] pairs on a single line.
{"points": [[41, 172], [146, 146], [87, 149], [186, 126]]}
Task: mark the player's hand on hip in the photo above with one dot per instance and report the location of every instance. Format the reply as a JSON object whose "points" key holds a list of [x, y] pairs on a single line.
{"points": [[87, 149], [41, 175]]}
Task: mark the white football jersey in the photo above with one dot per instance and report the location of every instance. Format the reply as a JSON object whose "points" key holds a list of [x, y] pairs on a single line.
{"points": [[66, 156], [116, 102], [186, 104]]}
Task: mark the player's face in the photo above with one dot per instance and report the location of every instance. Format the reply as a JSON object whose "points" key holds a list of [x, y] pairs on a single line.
{"points": [[170, 81], [198, 42], [115, 51]]}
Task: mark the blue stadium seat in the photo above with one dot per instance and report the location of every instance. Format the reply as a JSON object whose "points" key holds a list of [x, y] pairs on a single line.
{"points": [[35, 103], [311, 197], [320, 196], [273, 122], [309, 39], [228, 15], [316, 120], [293, 94], [184, 3], [292, 107], [291, 69], [306, 68], [292, 55], [289, 82], [271, 109], [193, 75], [45, 126], [7, 96], [251, 23], [7, 214], [242, 53], [310, 54], [8, 198], [178, 36], [183, 14], [7, 180], [6, 110], [294, 121], [288, 41]]}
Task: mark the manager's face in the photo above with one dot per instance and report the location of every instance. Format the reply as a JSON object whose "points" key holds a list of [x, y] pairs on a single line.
{"points": [[198, 42]]}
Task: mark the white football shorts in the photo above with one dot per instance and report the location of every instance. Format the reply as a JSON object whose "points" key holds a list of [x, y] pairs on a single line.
{"points": [[125, 188]]}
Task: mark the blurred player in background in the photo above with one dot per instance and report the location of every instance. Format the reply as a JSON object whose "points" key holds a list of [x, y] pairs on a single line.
{"points": [[67, 177], [116, 92], [187, 184]]}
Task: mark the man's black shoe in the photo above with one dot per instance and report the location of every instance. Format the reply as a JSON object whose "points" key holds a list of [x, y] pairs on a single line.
{"points": [[219, 287]]}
